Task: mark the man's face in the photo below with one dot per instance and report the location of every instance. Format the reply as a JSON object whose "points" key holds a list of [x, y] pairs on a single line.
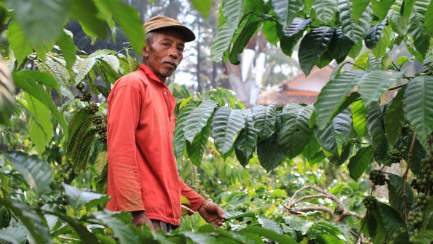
{"points": [[163, 53]]}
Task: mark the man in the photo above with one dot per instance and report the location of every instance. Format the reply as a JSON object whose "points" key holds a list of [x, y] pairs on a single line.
{"points": [[142, 171]]}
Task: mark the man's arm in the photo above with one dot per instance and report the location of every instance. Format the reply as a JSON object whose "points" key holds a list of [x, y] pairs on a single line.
{"points": [[210, 212], [123, 118]]}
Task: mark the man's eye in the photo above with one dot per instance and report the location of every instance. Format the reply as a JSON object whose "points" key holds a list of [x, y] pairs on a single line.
{"points": [[166, 44], [180, 49]]}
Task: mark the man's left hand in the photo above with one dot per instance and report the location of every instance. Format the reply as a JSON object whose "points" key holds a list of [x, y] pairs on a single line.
{"points": [[212, 213]]}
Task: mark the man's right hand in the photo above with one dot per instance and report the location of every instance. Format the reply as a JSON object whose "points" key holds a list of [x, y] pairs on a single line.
{"points": [[140, 217]]}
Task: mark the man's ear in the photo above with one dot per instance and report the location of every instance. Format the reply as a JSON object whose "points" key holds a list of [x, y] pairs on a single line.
{"points": [[145, 51]]}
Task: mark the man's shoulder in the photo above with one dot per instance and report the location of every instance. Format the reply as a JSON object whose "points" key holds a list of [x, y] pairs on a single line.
{"points": [[136, 79]]}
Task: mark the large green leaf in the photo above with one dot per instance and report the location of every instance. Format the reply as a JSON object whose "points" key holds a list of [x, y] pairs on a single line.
{"points": [[14, 234], [270, 225], [399, 16], [381, 7], [179, 134], [270, 153], [418, 105], [374, 34], [394, 118], [377, 133], [325, 10], [232, 9], [203, 6], [198, 119], [246, 142], [298, 26], [395, 193], [35, 171], [384, 44], [295, 132], [40, 124], [197, 147], [222, 41], [264, 120], [359, 118], [121, 229], [7, 91], [287, 44], [86, 12], [339, 47], [312, 46], [428, 21], [358, 8], [77, 197], [360, 162], [34, 223], [41, 20], [391, 220], [373, 83], [286, 10], [269, 234], [333, 95], [419, 34], [247, 28], [68, 48], [129, 20], [18, 42], [26, 80], [226, 124], [354, 30]]}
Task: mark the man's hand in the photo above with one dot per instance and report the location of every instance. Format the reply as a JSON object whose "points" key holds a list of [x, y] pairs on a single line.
{"points": [[212, 213], [140, 217]]}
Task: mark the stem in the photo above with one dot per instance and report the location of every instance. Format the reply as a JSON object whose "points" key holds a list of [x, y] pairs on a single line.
{"points": [[362, 227], [405, 176]]}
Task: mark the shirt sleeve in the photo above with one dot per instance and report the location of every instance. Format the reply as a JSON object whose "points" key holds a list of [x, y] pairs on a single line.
{"points": [[194, 198], [123, 118]]}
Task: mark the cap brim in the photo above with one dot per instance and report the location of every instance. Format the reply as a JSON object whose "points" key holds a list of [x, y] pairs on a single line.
{"points": [[187, 34]]}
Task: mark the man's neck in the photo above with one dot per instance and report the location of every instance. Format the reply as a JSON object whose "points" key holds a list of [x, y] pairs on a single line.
{"points": [[160, 77]]}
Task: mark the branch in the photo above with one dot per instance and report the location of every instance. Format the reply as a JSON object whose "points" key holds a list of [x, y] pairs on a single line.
{"points": [[405, 176]]}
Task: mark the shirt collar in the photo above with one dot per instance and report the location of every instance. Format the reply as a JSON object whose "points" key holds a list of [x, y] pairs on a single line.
{"points": [[150, 73]]}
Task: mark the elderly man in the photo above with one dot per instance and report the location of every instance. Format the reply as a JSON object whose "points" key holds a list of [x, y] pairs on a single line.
{"points": [[142, 171]]}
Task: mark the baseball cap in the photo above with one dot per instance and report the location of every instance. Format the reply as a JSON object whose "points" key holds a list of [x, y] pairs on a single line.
{"points": [[162, 22]]}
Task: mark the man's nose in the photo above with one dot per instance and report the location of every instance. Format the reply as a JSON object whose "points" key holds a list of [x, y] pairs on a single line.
{"points": [[173, 53]]}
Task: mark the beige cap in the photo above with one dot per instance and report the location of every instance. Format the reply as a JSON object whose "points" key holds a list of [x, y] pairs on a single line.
{"points": [[161, 22]]}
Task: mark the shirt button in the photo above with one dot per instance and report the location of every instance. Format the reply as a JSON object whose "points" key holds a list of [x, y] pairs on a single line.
{"points": [[165, 93]]}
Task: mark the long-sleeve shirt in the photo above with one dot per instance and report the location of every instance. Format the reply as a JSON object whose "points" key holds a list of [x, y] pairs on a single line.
{"points": [[142, 171]]}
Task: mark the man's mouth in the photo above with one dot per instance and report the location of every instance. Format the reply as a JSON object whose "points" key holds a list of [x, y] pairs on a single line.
{"points": [[173, 64]]}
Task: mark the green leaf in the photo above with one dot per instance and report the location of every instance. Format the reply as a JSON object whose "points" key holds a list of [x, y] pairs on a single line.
{"points": [[269, 234], [358, 8], [354, 30], [418, 105], [270, 153], [360, 162], [270, 31], [325, 10], [395, 193], [122, 229], [26, 80], [7, 91], [41, 20], [298, 26], [34, 223], [377, 133], [419, 34], [339, 47], [286, 10], [198, 119], [203, 6], [14, 234], [264, 120], [68, 48], [179, 134], [400, 14], [247, 28], [36, 172], [428, 20], [394, 118], [295, 132], [384, 44], [359, 118], [232, 10], [287, 44], [226, 124], [423, 237], [374, 34], [336, 135], [390, 218], [197, 147], [246, 142], [129, 21], [18, 42], [77, 197], [312, 46], [381, 7], [333, 95], [86, 12], [40, 124], [270, 225], [372, 84], [222, 41]]}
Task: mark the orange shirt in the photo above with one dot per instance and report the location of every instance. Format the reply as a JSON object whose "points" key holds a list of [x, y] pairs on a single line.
{"points": [[142, 171]]}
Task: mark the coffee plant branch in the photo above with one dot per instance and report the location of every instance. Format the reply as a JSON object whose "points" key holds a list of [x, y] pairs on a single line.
{"points": [[405, 175]]}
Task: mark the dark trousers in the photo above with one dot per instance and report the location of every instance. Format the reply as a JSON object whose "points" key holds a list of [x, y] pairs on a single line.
{"points": [[161, 225]]}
